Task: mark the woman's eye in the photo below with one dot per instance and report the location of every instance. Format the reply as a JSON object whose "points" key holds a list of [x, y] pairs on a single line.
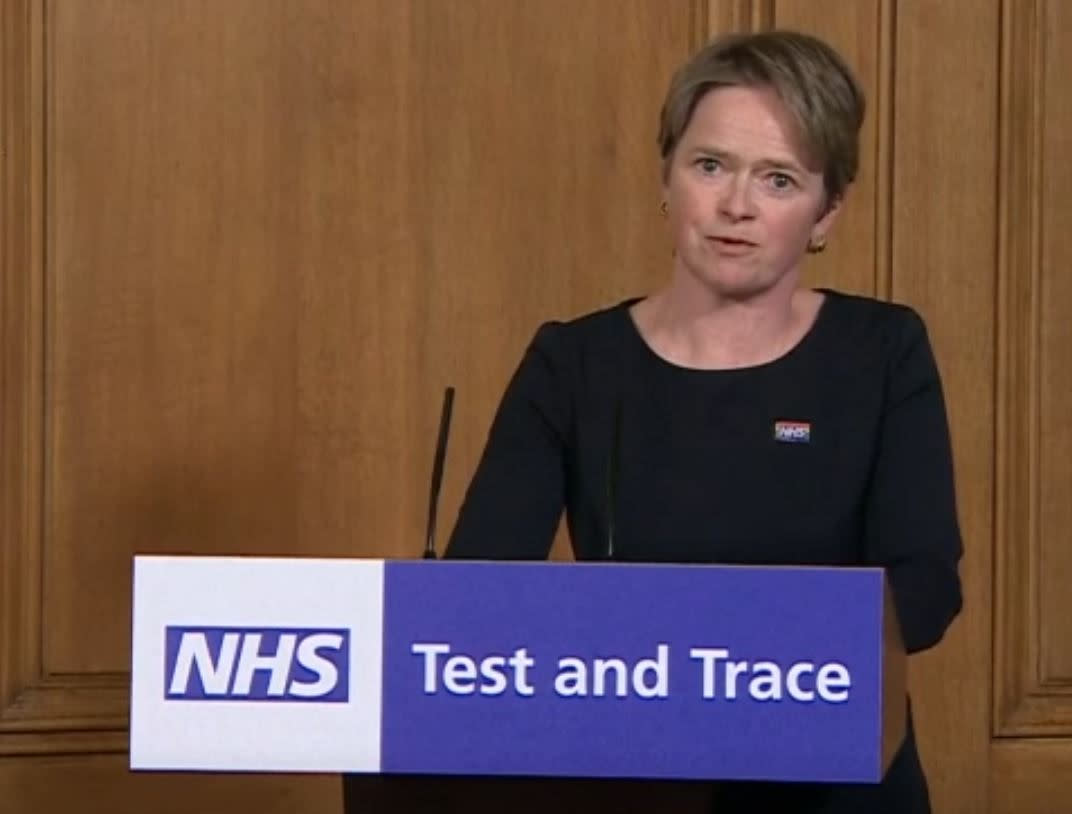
{"points": [[780, 180]]}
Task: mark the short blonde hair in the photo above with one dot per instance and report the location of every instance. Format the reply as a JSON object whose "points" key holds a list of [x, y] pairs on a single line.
{"points": [[812, 80]]}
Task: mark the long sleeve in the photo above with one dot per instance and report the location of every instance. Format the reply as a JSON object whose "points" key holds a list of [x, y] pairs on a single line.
{"points": [[911, 515], [513, 504]]}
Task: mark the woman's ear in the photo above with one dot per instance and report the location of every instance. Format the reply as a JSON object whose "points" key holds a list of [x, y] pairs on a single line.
{"points": [[826, 220]]}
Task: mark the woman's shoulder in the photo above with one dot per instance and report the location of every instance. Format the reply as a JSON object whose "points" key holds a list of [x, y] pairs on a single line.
{"points": [[869, 323], [867, 309], [584, 350], [587, 332]]}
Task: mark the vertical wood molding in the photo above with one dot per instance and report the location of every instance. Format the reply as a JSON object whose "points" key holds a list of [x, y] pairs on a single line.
{"points": [[701, 31], [884, 148], [1016, 550], [1022, 705], [39, 714], [739, 15], [21, 358]]}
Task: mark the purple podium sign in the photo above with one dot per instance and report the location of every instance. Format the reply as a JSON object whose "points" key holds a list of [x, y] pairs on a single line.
{"points": [[640, 671]]}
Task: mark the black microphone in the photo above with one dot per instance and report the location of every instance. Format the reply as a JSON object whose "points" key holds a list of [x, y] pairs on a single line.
{"points": [[612, 477], [437, 472]]}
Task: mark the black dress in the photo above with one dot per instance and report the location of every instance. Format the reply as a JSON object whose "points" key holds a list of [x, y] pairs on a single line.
{"points": [[837, 453]]}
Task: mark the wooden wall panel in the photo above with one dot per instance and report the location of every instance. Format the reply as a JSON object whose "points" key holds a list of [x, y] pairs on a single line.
{"points": [[1033, 658], [253, 244], [170, 355], [217, 391], [101, 784], [1031, 776], [1054, 368], [944, 255]]}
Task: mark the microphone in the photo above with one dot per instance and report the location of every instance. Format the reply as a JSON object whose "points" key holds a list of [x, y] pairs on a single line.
{"points": [[612, 477], [437, 472]]}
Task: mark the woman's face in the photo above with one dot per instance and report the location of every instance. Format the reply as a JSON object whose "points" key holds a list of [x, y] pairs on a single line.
{"points": [[743, 201]]}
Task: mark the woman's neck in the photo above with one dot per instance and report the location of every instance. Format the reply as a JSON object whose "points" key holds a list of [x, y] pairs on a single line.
{"points": [[711, 332]]}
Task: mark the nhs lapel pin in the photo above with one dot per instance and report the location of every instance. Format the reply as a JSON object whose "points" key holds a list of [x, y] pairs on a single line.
{"points": [[792, 432]]}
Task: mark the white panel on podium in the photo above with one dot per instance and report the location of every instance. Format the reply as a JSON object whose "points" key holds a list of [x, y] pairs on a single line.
{"points": [[255, 664]]}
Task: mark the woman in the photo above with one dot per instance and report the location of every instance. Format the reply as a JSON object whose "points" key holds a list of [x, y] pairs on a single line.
{"points": [[734, 416]]}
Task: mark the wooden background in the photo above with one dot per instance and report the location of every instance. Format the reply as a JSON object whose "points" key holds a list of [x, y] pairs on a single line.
{"points": [[247, 243]]}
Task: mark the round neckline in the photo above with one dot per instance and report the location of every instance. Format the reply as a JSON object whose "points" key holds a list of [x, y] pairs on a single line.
{"points": [[797, 348]]}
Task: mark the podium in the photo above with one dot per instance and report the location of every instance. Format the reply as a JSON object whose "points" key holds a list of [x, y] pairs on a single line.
{"points": [[549, 670]]}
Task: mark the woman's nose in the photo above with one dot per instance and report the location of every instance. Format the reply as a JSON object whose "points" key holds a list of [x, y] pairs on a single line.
{"points": [[736, 199]]}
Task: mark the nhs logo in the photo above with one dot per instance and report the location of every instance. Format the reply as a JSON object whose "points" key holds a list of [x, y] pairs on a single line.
{"points": [[792, 432], [257, 664]]}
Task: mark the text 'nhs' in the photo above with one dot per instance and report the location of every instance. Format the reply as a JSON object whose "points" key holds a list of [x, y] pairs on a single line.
{"points": [[257, 664]]}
